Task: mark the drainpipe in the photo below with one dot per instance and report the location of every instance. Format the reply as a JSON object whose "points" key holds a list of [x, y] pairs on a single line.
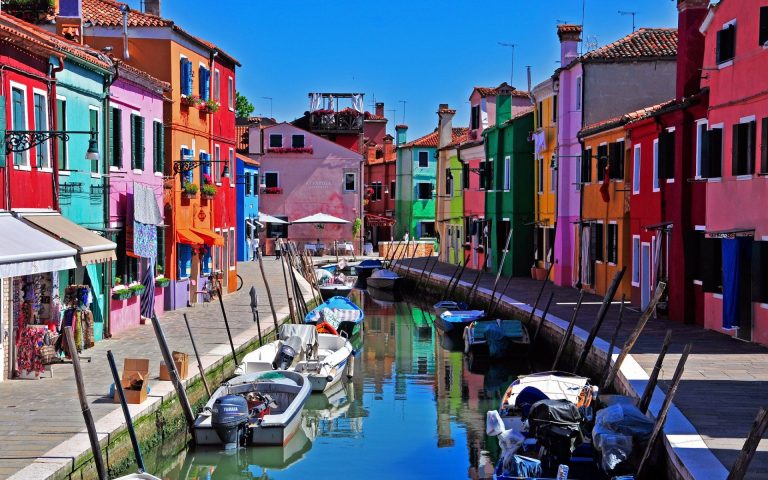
{"points": [[107, 269], [53, 109], [125, 9], [581, 216]]}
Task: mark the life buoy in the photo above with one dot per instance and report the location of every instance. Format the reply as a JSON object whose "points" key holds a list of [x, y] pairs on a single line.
{"points": [[585, 397], [325, 327]]}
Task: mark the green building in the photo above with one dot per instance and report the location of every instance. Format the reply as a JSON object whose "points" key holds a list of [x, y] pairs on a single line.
{"points": [[451, 183], [415, 188], [509, 186]]}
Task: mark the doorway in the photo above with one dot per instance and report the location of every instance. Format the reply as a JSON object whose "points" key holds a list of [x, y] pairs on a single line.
{"points": [[645, 276], [737, 283]]}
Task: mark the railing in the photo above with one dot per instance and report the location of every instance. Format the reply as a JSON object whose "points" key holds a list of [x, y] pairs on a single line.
{"points": [[346, 120]]}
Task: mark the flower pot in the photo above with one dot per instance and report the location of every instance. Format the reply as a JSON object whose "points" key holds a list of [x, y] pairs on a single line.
{"points": [[188, 195], [207, 196], [539, 273]]}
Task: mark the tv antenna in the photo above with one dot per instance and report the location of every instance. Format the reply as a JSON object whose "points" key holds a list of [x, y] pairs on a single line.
{"points": [[624, 13], [403, 102], [512, 73], [590, 43]]}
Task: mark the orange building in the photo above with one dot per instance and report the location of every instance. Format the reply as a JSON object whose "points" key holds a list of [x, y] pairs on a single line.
{"points": [[202, 79]]}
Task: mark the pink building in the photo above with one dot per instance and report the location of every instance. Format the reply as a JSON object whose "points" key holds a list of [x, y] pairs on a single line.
{"points": [[136, 162], [303, 174], [735, 166]]}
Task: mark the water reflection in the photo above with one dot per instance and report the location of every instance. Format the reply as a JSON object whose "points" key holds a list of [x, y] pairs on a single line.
{"points": [[414, 410]]}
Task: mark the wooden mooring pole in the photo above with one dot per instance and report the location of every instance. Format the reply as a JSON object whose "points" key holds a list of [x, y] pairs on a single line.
{"points": [[543, 318], [614, 337], [186, 408], [87, 415], [541, 291], [568, 331], [255, 312], [226, 324], [645, 398], [739, 470], [197, 356], [283, 259], [269, 292]]}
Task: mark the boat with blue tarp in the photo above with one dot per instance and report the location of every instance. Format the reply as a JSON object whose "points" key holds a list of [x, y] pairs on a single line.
{"points": [[497, 338], [340, 312], [453, 322]]}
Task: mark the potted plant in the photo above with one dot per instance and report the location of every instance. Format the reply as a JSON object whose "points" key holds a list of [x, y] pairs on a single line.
{"points": [[136, 289], [121, 292], [190, 100], [189, 190], [209, 191], [211, 106], [161, 281]]}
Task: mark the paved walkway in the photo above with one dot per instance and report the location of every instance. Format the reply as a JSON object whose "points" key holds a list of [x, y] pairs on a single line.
{"points": [[42, 418], [725, 380]]}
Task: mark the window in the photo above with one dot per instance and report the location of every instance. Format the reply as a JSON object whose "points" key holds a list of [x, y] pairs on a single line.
{"points": [[539, 114], [205, 168], [712, 270], [216, 85], [612, 246], [743, 159], [423, 159], [205, 261], [160, 265], [636, 164], [61, 124], [278, 229], [554, 109], [488, 178], [94, 127], [425, 191], [204, 83], [540, 176], [760, 274], [701, 139], [508, 170], [481, 174], [116, 138], [763, 35], [636, 260], [186, 76], [248, 185], [376, 191], [616, 156], [19, 122], [597, 237], [712, 154], [41, 124], [475, 118], [275, 140], [602, 162], [464, 175], [184, 260], [726, 43], [232, 254], [552, 175], [764, 146], [349, 182], [137, 142], [586, 166], [255, 183], [392, 191], [448, 182], [158, 144], [538, 233], [666, 154], [217, 162], [578, 93], [297, 141], [271, 179], [231, 93], [656, 165], [186, 156], [232, 167]]}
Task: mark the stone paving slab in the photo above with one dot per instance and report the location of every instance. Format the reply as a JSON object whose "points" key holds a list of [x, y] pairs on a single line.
{"points": [[41, 426], [725, 380]]}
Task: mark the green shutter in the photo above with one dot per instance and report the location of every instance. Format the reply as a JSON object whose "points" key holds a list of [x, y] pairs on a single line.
{"points": [[133, 142], [3, 126], [159, 139], [140, 142]]}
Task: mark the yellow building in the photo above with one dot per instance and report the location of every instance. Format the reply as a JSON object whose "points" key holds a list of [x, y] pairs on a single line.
{"points": [[545, 150]]}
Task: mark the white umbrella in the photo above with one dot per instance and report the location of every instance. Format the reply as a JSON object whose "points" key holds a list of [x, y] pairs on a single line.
{"points": [[264, 218], [320, 218], [254, 223]]}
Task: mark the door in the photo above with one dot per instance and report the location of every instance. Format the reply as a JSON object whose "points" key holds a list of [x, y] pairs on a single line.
{"points": [[645, 276]]}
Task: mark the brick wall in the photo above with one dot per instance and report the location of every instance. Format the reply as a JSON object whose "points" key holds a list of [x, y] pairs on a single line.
{"points": [[423, 249]]}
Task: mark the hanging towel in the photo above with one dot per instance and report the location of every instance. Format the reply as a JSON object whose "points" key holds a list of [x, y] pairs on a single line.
{"points": [[148, 295], [357, 102], [145, 207]]}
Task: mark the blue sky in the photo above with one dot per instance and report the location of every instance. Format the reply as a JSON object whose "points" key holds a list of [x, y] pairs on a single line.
{"points": [[422, 51]]}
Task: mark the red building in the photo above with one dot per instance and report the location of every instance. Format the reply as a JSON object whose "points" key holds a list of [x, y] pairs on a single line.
{"points": [[379, 173], [666, 214]]}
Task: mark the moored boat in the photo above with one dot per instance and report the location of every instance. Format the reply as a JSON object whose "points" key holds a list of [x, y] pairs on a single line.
{"points": [[496, 338], [453, 322], [449, 305], [341, 313], [366, 267], [384, 279], [262, 408], [331, 290]]}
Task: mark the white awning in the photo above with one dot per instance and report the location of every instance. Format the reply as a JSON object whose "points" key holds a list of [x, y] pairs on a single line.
{"points": [[320, 218], [264, 218], [26, 250]]}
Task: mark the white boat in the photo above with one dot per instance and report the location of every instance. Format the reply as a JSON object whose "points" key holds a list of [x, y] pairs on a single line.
{"points": [[383, 279], [529, 389], [322, 357], [262, 408], [138, 476]]}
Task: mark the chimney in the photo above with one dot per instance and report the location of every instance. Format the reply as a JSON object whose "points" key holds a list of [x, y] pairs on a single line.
{"points": [[69, 19], [401, 130], [570, 36], [445, 125], [152, 7], [389, 150], [503, 103], [380, 109], [690, 46]]}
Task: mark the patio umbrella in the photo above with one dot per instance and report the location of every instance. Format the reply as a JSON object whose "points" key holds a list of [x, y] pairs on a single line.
{"points": [[320, 218], [264, 218]]}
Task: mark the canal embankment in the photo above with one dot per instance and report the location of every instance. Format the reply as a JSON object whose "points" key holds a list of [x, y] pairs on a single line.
{"points": [[42, 433], [702, 436]]}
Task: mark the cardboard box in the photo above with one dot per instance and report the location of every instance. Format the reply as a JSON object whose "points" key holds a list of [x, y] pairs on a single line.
{"points": [[135, 370], [181, 360]]}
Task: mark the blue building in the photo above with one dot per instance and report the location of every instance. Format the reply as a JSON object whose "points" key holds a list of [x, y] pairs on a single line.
{"points": [[247, 205]]}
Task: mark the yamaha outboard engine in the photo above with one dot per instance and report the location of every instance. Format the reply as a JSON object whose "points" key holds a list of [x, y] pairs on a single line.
{"points": [[288, 350], [229, 418]]}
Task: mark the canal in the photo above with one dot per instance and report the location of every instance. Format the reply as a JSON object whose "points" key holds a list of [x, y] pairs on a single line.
{"points": [[415, 409]]}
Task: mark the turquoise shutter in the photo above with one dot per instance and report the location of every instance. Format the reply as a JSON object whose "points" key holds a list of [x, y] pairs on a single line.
{"points": [[159, 140], [3, 127], [133, 142]]}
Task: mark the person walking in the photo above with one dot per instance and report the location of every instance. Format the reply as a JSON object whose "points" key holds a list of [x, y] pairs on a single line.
{"points": [[255, 246]]}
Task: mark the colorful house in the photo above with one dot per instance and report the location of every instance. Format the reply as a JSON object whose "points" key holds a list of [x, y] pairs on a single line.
{"points": [[509, 197], [304, 174], [449, 209], [736, 169], [379, 176], [136, 167], [624, 76], [544, 151], [199, 200], [247, 205]]}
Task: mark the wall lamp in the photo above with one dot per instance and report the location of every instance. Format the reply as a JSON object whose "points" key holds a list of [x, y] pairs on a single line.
{"points": [[17, 141]]}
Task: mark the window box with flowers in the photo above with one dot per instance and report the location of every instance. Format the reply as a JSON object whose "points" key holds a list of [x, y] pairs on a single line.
{"points": [[121, 292], [189, 190], [309, 150], [191, 101], [162, 282], [272, 190], [210, 106], [137, 289], [208, 191]]}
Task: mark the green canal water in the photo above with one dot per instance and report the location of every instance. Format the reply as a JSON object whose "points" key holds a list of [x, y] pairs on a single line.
{"points": [[415, 409]]}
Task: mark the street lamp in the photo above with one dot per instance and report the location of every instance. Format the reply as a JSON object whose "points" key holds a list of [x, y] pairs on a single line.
{"points": [[18, 141]]}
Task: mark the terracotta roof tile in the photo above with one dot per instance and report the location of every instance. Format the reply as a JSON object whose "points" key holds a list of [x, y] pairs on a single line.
{"points": [[145, 76], [373, 116], [620, 120], [485, 91], [432, 139], [644, 43], [568, 28]]}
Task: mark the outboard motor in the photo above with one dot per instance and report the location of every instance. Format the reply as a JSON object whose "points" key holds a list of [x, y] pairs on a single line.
{"points": [[229, 417], [288, 350]]}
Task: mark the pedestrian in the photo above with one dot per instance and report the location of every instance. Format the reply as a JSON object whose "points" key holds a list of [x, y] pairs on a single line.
{"points": [[405, 237], [278, 250], [255, 245]]}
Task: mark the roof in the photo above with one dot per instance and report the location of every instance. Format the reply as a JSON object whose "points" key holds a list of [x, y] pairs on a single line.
{"points": [[493, 91], [107, 13], [621, 120], [142, 75], [248, 160], [242, 142], [485, 91], [644, 43], [432, 139], [568, 28]]}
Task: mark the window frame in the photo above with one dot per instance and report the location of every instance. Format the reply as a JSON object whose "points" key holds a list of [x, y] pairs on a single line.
{"points": [[232, 166], [419, 191], [25, 161], [63, 145], [419, 158], [506, 171], [702, 122], [231, 93], [217, 161], [539, 176], [392, 188], [303, 140], [158, 146], [637, 168], [612, 244], [635, 260], [656, 179], [97, 172], [277, 178], [216, 85], [45, 147], [750, 150], [275, 135], [354, 182], [579, 93], [719, 60]]}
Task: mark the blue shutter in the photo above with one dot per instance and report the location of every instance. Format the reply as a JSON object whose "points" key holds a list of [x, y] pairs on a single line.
{"points": [[185, 153], [201, 82], [205, 83], [183, 70]]}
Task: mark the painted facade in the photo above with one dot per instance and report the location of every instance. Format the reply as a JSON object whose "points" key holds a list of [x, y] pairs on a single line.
{"points": [[416, 177], [248, 184], [736, 169], [544, 148], [449, 209], [380, 174]]}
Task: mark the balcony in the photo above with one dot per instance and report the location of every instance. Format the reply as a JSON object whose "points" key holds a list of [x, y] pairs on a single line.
{"points": [[345, 121]]}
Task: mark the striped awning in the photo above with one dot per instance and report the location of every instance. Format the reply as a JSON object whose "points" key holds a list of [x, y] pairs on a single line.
{"points": [[26, 250]]}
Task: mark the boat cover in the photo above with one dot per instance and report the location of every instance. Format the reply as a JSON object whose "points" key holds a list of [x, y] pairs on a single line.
{"points": [[518, 466], [307, 334], [624, 419], [385, 273], [370, 264], [461, 315], [503, 329], [555, 385], [560, 412]]}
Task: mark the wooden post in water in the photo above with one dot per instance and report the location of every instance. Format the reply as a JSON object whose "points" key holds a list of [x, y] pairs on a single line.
{"points": [[197, 356], [255, 313], [739, 470], [541, 291], [291, 309], [543, 318], [87, 415], [600, 318], [645, 399], [615, 335], [269, 293], [568, 331], [635, 335], [186, 408], [662, 416], [226, 324]]}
